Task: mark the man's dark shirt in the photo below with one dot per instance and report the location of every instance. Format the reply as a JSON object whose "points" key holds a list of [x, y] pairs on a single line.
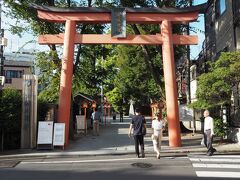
{"points": [[138, 122], [96, 116]]}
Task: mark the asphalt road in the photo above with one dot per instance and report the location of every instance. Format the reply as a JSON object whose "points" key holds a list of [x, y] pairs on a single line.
{"points": [[118, 168]]}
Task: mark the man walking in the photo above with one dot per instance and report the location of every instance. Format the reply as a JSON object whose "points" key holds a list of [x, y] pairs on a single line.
{"points": [[208, 132], [137, 124], [96, 116]]}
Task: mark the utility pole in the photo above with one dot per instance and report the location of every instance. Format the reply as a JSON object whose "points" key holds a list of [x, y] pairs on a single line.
{"points": [[188, 65], [189, 76], [1, 72], [102, 95], [3, 42], [1, 37]]}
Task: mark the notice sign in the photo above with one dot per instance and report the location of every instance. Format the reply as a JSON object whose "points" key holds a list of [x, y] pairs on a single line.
{"points": [[59, 134], [45, 132], [81, 124]]}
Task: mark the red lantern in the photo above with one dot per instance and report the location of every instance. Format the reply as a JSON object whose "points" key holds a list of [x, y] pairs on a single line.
{"points": [[105, 105], [94, 104], [85, 104]]}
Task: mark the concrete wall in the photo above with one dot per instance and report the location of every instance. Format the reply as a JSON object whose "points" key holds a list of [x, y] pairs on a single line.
{"points": [[234, 135], [225, 30], [220, 35]]}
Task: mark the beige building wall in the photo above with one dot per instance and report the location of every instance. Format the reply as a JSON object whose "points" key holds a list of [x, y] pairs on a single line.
{"points": [[16, 83]]}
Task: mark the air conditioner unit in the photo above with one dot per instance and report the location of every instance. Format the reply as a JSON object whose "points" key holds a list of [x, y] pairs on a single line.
{"points": [[2, 80]]}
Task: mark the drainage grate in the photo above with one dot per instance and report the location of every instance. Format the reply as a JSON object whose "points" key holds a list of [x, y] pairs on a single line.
{"points": [[142, 165], [8, 164]]}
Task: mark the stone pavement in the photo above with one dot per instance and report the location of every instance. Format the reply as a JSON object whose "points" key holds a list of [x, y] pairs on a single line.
{"points": [[114, 140]]}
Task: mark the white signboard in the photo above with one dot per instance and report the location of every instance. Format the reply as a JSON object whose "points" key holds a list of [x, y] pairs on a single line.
{"points": [[2, 80], [45, 132], [193, 86], [59, 134], [81, 122]]}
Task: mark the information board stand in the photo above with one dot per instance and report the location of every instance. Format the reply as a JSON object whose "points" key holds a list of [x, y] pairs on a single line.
{"points": [[59, 134], [45, 135], [81, 124]]}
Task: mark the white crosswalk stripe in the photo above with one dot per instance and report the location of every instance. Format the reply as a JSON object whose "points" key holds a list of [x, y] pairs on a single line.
{"points": [[223, 166]]}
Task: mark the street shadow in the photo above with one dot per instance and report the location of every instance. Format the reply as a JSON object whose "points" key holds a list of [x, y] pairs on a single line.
{"points": [[101, 172]]}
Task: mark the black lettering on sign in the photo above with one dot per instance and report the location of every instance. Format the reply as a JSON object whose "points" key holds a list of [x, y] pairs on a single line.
{"points": [[118, 23]]}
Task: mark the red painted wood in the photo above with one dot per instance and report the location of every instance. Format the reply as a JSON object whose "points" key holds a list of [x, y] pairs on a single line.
{"points": [[66, 77], [107, 39], [170, 85], [103, 18]]}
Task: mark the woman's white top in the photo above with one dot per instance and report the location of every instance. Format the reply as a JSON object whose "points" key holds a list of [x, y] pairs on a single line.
{"points": [[157, 126]]}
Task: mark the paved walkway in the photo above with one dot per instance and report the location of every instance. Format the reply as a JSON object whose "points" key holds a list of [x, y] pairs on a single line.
{"points": [[114, 140]]}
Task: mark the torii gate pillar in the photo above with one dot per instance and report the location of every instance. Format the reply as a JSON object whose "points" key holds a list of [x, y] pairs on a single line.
{"points": [[170, 85], [66, 76]]}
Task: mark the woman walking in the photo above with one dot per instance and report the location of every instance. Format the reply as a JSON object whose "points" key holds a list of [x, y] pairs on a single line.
{"points": [[157, 125]]}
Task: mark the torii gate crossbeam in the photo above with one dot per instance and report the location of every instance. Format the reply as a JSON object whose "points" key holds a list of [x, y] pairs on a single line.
{"points": [[163, 16]]}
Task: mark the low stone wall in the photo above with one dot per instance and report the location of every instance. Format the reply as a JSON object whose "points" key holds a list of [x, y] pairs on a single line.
{"points": [[234, 135], [189, 125]]}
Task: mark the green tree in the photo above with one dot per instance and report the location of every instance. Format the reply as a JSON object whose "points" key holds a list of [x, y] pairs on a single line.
{"points": [[49, 63], [141, 73], [215, 87], [49, 76], [134, 80], [10, 121]]}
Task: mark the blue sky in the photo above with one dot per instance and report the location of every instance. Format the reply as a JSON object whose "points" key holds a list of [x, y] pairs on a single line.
{"points": [[15, 42], [195, 49]]}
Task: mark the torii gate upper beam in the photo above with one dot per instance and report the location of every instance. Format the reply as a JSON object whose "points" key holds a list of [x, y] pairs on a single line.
{"points": [[133, 16]]}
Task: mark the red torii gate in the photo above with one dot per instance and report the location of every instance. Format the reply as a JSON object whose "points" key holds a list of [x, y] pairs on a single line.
{"points": [[163, 16]]}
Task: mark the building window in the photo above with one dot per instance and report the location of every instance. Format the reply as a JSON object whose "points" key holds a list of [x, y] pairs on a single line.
{"points": [[13, 74], [9, 74], [220, 7]]}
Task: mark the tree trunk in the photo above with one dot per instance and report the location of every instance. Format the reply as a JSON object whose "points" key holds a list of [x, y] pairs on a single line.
{"points": [[149, 63], [2, 140]]}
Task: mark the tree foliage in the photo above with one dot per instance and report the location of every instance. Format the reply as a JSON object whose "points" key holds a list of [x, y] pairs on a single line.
{"points": [[49, 75], [220, 127], [10, 121], [10, 109], [215, 87], [134, 72]]}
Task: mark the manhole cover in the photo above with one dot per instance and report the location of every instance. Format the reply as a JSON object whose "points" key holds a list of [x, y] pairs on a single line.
{"points": [[142, 165], [8, 164]]}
